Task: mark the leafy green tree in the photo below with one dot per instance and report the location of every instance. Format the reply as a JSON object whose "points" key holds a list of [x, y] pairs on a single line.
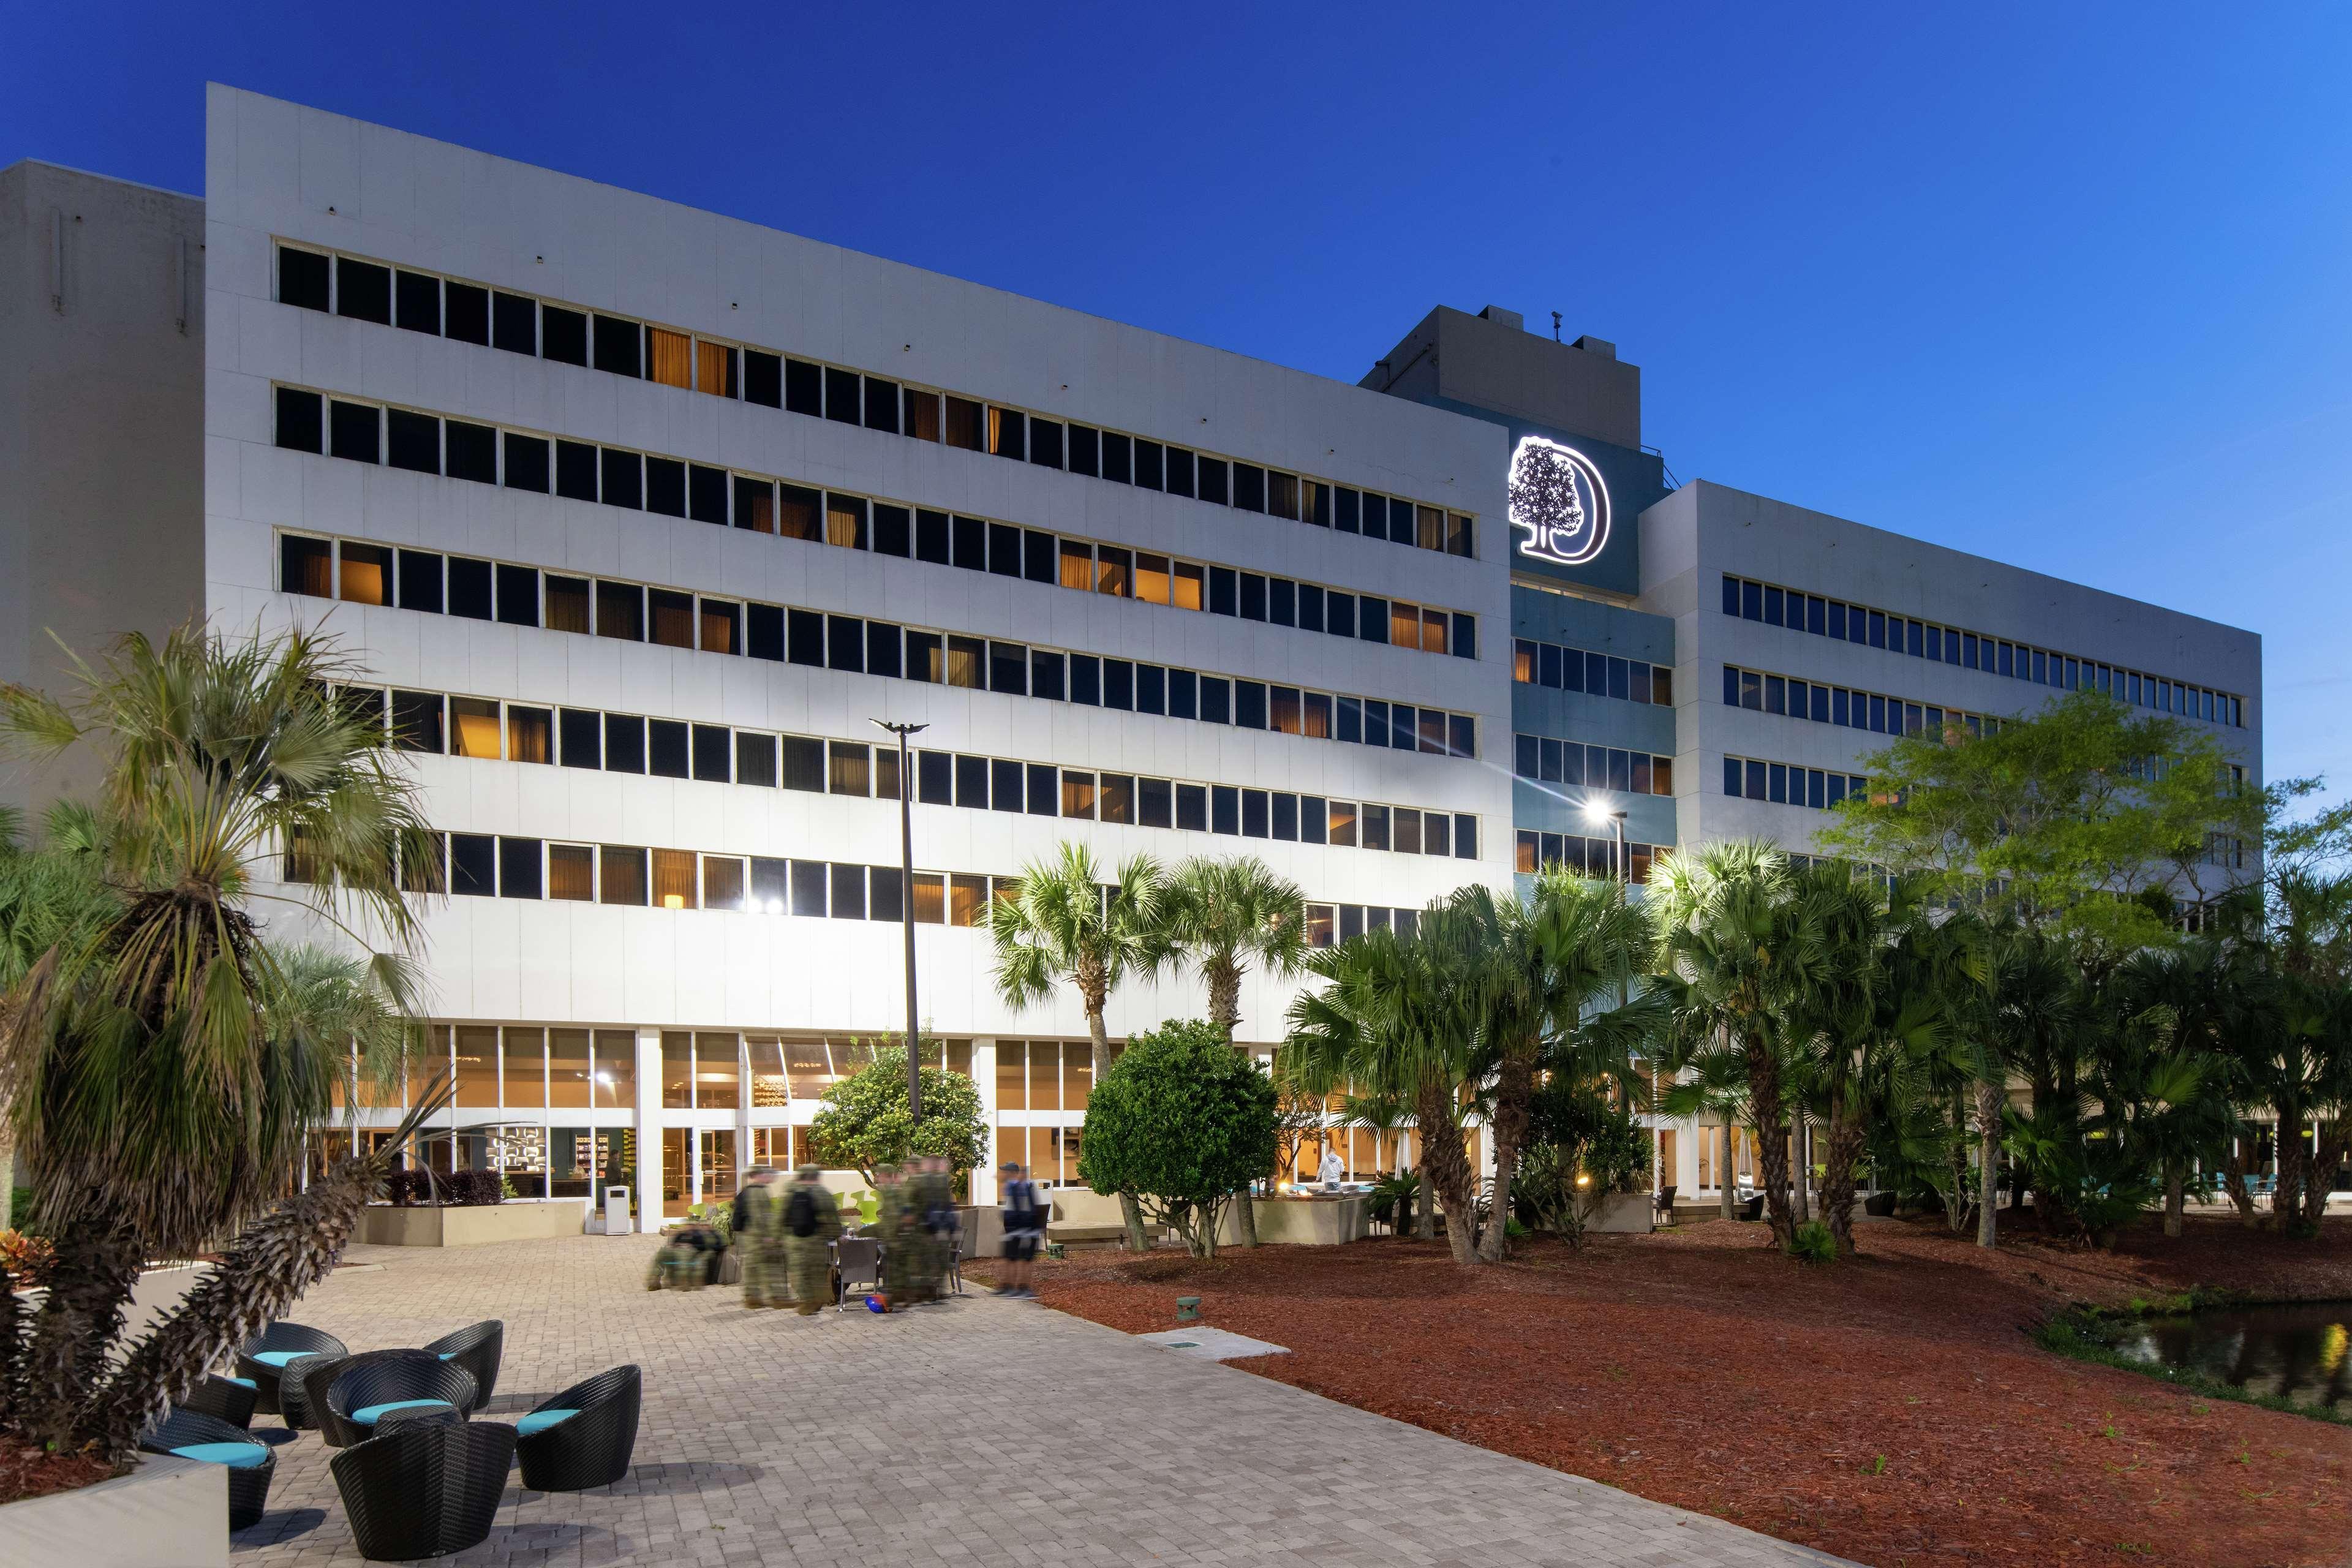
{"points": [[1180, 1121], [159, 1106], [1393, 1020], [1224, 916], [2086, 819], [48, 895], [864, 1119], [1064, 927]]}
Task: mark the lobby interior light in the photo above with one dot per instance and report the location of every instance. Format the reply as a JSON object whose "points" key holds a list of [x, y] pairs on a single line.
{"points": [[673, 900]]}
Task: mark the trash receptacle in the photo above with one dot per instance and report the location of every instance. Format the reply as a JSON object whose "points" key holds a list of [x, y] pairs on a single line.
{"points": [[616, 1212]]}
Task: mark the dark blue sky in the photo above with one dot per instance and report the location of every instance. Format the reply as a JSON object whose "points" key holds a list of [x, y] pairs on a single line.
{"points": [[2064, 286]]}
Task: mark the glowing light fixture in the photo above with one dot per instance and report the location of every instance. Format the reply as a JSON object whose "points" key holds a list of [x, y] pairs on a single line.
{"points": [[1559, 498], [673, 900]]}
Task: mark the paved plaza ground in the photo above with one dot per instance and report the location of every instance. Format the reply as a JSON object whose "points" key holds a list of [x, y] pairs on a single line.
{"points": [[979, 1431]]}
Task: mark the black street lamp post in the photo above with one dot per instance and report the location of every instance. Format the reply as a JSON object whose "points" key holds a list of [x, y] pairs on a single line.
{"points": [[906, 910]]}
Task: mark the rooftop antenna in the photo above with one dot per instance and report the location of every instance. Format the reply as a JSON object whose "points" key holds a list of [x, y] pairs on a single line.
{"points": [[1555, 326]]}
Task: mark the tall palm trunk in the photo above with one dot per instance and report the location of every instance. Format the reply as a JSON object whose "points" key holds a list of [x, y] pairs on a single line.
{"points": [[1723, 1172], [1424, 1196], [1799, 1168], [1446, 1166], [1771, 1142], [1513, 1094], [1129, 1211], [2293, 1160], [1225, 1012], [2334, 1139], [2176, 1199], [1839, 1159], [64, 1352], [1989, 1096]]}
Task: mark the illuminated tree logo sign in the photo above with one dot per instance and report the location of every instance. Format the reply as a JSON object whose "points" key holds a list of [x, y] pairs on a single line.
{"points": [[1558, 497]]}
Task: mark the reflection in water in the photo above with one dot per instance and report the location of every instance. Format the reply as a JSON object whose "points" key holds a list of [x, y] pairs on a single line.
{"points": [[2297, 1353]]}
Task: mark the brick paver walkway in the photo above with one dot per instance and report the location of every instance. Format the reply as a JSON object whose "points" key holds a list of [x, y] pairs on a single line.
{"points": [[981, 1432]]}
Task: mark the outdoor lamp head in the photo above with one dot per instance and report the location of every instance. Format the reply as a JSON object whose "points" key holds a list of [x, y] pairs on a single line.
{"points": [[1596, 811]]}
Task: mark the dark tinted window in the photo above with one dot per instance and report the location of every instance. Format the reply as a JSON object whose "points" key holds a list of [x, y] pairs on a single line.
{"points": [[1223, 591], [576, 470], [706, 494], [465, 308], [518, 863], [471, 451], [581, 736], [416, 721], [301, 420], [413, 441], [620, 346], [1180, 471], [363, 291], [665, 748], [882, 649], [763, 379], [624, 743], [1148, 463], [1003, 550], [1249, 486], [623, 478], [517, 595], [1212, 480], [713, 744], [764, 635], [420, 581], [563, 334], [621, 611], [514, 327], [1045, 443], [803, 387], [1118, 457], [894, 531], [302, 279], [881, 405], [527, 463], [469, 588], [755, 760], [306, 567], [1086, 449], [841, 396], [473, 865], [351, 431], [417, 299], [665, 486]]}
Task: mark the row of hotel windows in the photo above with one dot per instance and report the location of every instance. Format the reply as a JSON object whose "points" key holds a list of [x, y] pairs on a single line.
{"points": [[487, 729], [369, 432], [524, 595], [533, 1068], [1882, 715], [520, 323], [1594, 674], [1776, 607], [1595, 857], [1786, 785], [482, 865], [1541, 758]]}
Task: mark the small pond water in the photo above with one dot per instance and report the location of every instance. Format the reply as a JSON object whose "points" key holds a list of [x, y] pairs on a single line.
{"points": [[2298, 1353]]}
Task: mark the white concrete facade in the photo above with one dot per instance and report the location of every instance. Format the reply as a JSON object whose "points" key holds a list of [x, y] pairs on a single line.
{"points": [[279, 174]]}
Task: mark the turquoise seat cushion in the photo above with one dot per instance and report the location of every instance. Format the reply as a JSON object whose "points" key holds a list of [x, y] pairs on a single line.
{"points": [[236, 1455], [369, 1415], [447, 1355], [240, 1382], [278, 1358], [540, 1420]]}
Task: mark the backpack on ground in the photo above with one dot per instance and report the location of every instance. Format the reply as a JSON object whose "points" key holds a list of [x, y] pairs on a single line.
{"points": [[799, 1211]]}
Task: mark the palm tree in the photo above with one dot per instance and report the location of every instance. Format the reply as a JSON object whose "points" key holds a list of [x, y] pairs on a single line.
{"points": [[1063, 926], [46, 895], [1393, 1020], [1709, 1080], [2039, 1029], [157, 1108], [1743, 938], [1225, 916], [1532, 972]]}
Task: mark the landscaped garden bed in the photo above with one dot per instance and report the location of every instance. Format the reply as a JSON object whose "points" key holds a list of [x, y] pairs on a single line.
{"points": [[1891, 1408]]}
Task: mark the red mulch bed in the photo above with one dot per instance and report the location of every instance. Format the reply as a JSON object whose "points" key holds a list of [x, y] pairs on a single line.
{"points": [[30, 1473], [1699, 1369]]}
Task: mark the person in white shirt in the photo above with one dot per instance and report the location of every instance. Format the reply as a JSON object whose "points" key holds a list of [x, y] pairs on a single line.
{"points": [[1330, 1173]]}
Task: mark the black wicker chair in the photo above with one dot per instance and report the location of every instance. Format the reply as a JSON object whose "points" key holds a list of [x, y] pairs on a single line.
{"points": [[262, 1357], [305, 1397], [194, 1436], [295, 1406], [229, 1399], [477, 1349], [423, 1489], [364, 1389], [589, 1447]]}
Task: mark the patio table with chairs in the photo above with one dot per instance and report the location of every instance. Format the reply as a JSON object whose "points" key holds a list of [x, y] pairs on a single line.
{"points": [[419, 1475]]}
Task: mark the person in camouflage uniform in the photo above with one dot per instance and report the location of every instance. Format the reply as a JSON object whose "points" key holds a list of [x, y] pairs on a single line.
{"points": [[684, 1261], [759, 1232], [809, 1258], [935, 1220]]}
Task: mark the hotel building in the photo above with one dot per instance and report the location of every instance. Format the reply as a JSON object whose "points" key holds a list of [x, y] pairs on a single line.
{"points": [[641, 518]]}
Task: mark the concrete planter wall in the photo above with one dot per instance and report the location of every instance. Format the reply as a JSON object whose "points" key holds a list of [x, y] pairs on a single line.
{"points": [[167, 1513], [516, 1220], [1620, 1213]]}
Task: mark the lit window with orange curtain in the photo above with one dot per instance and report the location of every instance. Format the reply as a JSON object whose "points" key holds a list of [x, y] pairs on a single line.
{"points": [[670, 357], [474, 727], [674, 879], [714, 368], [1433, 631], [1404, 624]]}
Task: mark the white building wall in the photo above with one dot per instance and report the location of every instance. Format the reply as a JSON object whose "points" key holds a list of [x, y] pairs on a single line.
{"points": [[278, 172]]}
